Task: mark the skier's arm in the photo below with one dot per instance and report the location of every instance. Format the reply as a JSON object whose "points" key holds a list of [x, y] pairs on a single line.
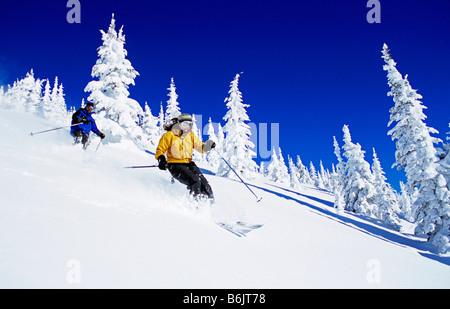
{"points": [[163, 146], [77, 117], [94, 128], [198, 145]]}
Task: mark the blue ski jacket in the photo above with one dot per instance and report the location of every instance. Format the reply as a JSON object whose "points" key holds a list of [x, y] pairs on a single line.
{"points": [[83, 127]]}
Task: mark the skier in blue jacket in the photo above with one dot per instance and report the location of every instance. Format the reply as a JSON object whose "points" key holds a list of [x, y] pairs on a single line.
{"points": [[81, 132]]}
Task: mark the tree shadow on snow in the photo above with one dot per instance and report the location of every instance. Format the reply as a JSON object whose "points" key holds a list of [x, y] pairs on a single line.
{"points": [[373, 227]]}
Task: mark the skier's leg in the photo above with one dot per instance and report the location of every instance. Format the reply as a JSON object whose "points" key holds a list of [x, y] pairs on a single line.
{"points": [[85, 140], [77, 137], [205, 188], [183, 174]]}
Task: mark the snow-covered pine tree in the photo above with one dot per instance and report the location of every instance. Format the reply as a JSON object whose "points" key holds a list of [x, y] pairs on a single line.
{"points": [[385, 197], [415, 146], [303, 173], [339, 178], [220, 140], [262, 169], [340, 167], [448, 138], [25, 94], [417, 154], [70, 112], [117, 113], [2, 96], [272, 169], [10, 98], [150, 125], [444, 163], [212, 157], [277, 169], [443, 188], [60, 104], [404, 202], [294, 174], [324, 177], [196, 156], [284, 177], [47, 101], [53, 103], [237, 146], [313, 174], [173, 109], [161, 120], [358, 191], [32, 91]]}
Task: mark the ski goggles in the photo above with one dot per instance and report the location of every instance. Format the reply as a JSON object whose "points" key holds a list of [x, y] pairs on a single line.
{"points": [[186, 124]]}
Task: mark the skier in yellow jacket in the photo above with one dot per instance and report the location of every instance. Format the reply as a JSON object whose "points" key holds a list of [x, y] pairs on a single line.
{"points": [[179, 143]]}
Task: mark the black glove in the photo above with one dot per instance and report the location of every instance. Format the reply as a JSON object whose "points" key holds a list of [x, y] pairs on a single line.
{"points": [[83, 120], [162, 163], [102, 136], [209, 144]]}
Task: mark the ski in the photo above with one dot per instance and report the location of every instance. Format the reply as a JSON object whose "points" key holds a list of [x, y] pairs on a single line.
{"points": [[239, 228]]}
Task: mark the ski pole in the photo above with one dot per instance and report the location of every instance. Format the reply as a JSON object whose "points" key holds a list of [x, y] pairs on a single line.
{"points": [[35, 133], [258, 199], [98, 145], [141, 166]]}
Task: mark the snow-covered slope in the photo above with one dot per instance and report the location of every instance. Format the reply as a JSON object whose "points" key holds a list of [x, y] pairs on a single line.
{"points": [[76, 219]]}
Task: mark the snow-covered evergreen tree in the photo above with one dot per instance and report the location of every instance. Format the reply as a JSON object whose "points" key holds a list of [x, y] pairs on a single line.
{"points": [[272, 167], [313, 174], [197, 156], [117, 113], [31, 89], [150, 125], [294, 174], [237, 146], [2, 96], [441, 239], [47, 101], [358, 191], [161, 120], [385, 197], [303, 173], [404, 202], [417, 155], [262, 169], [324, 177], [339, 178], [220, 140], [25, 94], [277, 170], [173, 109], [53, 103], [415, 146], [59, 103], [213, 157]]}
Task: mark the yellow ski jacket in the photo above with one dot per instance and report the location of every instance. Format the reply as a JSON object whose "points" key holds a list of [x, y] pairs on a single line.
{"points": [[178, 146]]}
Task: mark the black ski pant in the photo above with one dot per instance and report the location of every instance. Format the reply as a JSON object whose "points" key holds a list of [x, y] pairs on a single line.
{"points": [[80, 137], [191, 176]]}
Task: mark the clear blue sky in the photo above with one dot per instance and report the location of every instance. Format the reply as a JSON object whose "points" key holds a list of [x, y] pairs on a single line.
{"points": [[311, 66]]}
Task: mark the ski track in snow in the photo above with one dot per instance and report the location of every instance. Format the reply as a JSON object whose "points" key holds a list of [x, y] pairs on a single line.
{"points": [[61, 206]]}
